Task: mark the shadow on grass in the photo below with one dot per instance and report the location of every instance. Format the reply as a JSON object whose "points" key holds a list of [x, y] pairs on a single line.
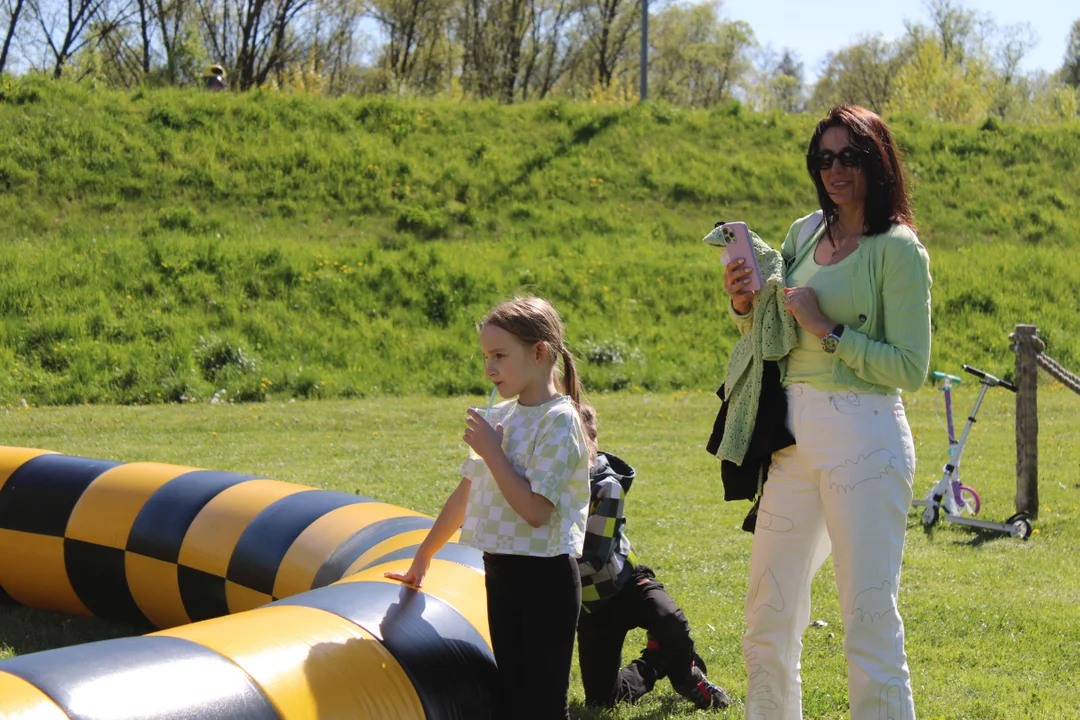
{"points": [[661, 707], [655, 706], [26, 630], [545, 157], [973, 536], [983, 535]]}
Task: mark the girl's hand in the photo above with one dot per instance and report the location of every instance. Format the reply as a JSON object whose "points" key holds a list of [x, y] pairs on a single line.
{"points": [[480, 436], [803, 304], [416, 572], [736, 278]]}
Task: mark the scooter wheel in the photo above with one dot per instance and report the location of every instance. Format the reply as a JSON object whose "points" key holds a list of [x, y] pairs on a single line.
{"points": [[930, 515], [1021, 528], [971, 499]]}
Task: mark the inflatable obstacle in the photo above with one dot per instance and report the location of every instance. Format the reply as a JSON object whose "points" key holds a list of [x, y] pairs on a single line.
{"points": [[269, 598]]}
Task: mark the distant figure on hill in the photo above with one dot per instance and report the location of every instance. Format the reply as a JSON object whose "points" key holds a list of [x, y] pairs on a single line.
{"points": [[214, 78]]}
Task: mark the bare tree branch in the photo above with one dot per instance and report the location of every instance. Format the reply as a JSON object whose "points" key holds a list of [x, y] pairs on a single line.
{"points": [[13, 22], [65, 35]]}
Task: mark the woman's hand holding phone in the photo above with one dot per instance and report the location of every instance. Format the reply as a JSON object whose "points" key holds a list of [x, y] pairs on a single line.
{"points": [[738, 277], [742, 278]]}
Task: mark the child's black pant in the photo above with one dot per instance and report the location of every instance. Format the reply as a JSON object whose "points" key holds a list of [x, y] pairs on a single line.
{"points": [[642, 603], [533, 605]]}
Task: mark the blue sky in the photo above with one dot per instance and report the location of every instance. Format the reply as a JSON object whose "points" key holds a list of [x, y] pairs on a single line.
{"points": [[814, 27]]}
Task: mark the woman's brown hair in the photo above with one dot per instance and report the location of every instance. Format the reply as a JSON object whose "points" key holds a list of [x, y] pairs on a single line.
{"points": [[887, 199]]}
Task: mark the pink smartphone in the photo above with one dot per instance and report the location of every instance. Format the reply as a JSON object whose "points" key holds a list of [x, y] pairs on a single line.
{"points": [[734, 237]]}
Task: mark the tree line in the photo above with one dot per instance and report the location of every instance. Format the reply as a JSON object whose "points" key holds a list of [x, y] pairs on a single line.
{"points": [[954, 64]]}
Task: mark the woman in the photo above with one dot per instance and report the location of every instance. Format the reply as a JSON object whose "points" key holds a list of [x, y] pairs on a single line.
{"points": [[859, 289]]}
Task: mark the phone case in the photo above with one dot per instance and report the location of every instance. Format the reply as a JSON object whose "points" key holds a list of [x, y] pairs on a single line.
{"points": [[734, 237]]}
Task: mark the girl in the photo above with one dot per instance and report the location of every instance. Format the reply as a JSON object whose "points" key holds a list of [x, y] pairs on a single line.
{"points": [[524, 502]]}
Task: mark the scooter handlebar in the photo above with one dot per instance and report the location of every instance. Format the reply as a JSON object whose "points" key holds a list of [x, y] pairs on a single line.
{"points": [[938, 375], [989, 379]]}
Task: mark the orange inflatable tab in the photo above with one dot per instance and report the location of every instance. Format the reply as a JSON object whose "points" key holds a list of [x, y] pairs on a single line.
{"points": [[240, 598], [13, 458], [108, 507], [213, 534], [405, 539], [33, 572], [310, 550], [23, 701], [311, 663], [155, 587]]}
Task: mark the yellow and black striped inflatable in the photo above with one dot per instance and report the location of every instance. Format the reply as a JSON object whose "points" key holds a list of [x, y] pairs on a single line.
{"points": [[269, 598]]}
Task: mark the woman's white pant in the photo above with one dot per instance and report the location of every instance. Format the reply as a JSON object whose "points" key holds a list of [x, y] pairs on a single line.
{"points": [[845, 486]]}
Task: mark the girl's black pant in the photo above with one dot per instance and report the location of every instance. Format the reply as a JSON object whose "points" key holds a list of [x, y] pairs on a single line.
{"points": [[533, 605]]}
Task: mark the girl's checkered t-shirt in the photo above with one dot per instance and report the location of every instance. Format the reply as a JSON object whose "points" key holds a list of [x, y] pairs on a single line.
{"points": [[546, 445]]}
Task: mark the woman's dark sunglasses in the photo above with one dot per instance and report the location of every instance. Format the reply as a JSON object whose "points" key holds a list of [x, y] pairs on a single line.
{"points": [[848, 157]]}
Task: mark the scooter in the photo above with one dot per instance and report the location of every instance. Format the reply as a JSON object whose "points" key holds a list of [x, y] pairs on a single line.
{"points": [[949, 494], [964, 498]]}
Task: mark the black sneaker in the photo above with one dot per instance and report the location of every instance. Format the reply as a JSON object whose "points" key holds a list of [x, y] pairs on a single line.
{"points": [[704, 694]]}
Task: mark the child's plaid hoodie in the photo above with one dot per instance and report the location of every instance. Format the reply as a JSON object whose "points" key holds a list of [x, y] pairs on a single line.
{"points": [[607, 560]]}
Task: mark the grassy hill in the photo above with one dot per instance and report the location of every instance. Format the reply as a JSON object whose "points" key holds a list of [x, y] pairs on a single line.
{"points": [[167, 245]]}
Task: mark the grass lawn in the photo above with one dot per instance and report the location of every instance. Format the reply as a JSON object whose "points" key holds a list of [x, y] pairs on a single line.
{"points": [[993, 623]]}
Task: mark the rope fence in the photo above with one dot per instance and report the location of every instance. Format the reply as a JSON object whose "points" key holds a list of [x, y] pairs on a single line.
{"points": [[1059, 373], [1030, 357]]}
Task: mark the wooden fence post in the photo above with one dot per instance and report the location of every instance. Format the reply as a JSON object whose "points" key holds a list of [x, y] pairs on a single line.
{"points": [[1028, 344]]}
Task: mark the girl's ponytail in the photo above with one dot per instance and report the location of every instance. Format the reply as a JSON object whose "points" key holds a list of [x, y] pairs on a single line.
{"points": [[572, 387], [571, 383]]}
